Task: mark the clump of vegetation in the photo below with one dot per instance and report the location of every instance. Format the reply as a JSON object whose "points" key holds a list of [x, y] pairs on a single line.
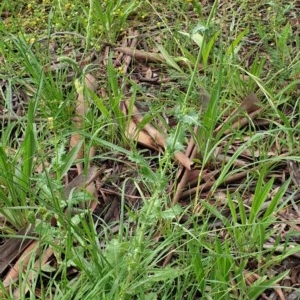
{"points": [[149, 150]]}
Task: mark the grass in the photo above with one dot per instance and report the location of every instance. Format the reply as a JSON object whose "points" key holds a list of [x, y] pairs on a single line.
{"points": [[229, 241]]}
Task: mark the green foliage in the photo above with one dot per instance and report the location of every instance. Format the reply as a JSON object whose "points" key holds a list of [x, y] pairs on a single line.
{"points": [[207, 75]]}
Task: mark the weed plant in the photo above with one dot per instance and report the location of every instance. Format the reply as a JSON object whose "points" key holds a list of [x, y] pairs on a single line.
{"points": [[93, 260]]}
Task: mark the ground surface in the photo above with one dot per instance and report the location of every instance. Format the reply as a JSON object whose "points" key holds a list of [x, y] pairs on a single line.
{"points": [[150, 150]]}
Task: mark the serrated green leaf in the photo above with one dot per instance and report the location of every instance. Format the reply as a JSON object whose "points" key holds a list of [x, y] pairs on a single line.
{"points": [[190, 118], [172, 212]]}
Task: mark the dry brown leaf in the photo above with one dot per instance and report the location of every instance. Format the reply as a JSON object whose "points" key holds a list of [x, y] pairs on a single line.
{"points": [[82, 180], [207, 185], [294, 169], [169, 256], [250, 277], [91, 189], [241, 122], [140, 136], [14, 273], [141, 55], [251, 105], [147, 57], [5, 14], [279, 292], [281, 249], [15, 246], [237, 162], [133, 42], [118, 59], [80, 112], [148, 74], [157, 137], [184, 175], [41, 261]]}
